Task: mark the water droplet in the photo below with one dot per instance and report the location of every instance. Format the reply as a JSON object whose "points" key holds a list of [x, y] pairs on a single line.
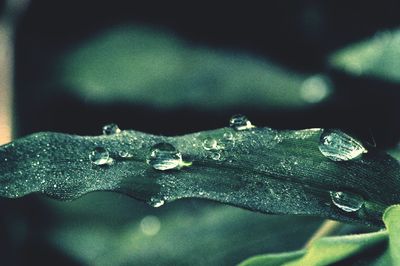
{"points": [[346, 201], [240, 122], [338, 146], [228, 136], [215, 156], [100, 156], [111, 129], [125, 154], [210, 144], [156, 202], [164, 156]]}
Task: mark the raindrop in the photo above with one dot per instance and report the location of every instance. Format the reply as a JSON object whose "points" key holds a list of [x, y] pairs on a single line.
{"points": [[210, 144], [100, 156], [125, 154], [338, 146], [156, 202], [240, 122], [216, 156], [228, 136], [346, 201], [164, 156], [111, 129]]}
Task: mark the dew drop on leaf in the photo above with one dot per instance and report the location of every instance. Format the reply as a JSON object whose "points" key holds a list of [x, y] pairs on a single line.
{"points": [[240, 122], [228, 136], [346, 201], [216, 156], [100, 156], [125, 154], [156, 202], [163, 156], [210, 144], [338, 146], [111, 129]]}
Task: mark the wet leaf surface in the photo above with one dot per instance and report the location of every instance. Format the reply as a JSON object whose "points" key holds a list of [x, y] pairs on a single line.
{"points": [[261, 169]]}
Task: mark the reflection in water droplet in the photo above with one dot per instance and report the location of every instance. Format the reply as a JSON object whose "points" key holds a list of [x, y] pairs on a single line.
{"points": [[338, 146], [150, 225], [111, 129], [215, 156], [346, 201], [100, 156], [240, 122], [210, 144], [125, 154], [228, 136], [164, 156]]}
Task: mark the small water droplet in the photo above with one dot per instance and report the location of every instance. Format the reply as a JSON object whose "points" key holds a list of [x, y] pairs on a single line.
{"points": [[111, 129], [156, 202], [240, 122], [164, 156], [346, 201], [125, 154], [210, 144], [338, 146], [228, 136], [100, 156], [216, 156]]}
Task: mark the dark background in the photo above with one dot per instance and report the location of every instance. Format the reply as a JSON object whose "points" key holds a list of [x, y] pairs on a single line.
{"points": [[298, 35]]}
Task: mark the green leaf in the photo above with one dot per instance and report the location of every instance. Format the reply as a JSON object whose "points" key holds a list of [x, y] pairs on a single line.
{"points": [[324, 251], [378, 57], [136, 65], [328, 250], [273, 259], [260, 169], [392, 222]]}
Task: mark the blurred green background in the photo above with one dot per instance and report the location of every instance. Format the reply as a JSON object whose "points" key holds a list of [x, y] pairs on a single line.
{"points": [[175, 68]]}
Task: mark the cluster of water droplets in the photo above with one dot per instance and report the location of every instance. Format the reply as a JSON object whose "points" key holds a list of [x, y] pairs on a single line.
{"points": [[100, 156], [339, 146]]}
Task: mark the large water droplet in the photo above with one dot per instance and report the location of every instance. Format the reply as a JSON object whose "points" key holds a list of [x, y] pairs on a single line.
{"points": [[346, 201], [338, 146], [210, 144], [164, 156], [240, 122], [100, 156], [111, 129]]}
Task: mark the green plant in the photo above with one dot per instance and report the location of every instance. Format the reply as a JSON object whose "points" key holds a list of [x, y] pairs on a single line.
{"points": [[257, 168]]}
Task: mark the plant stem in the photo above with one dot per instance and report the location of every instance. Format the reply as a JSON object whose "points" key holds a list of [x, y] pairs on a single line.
{"points": [[328, 227], [8, 21]]}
